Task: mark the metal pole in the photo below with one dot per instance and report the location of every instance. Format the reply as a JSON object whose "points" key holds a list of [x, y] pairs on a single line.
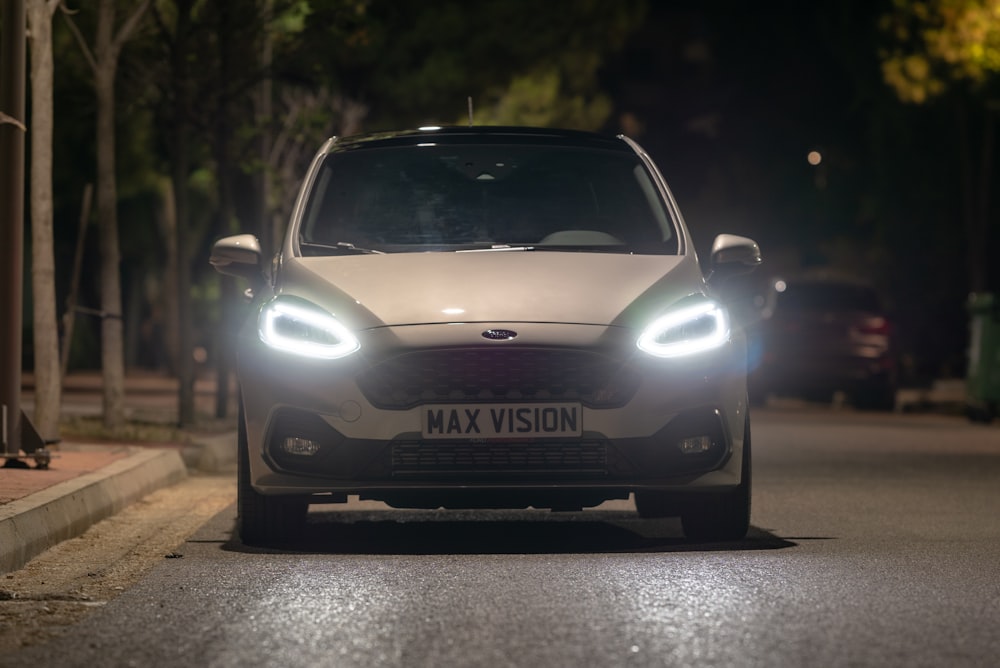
{"points": [[12, 74]]}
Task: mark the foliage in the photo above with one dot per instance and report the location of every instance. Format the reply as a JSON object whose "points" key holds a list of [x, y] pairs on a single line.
{"points": [[130, 431], [948, 51], [538, 98], [334, 66], [937, 42], [410, 65], [731, 97]]}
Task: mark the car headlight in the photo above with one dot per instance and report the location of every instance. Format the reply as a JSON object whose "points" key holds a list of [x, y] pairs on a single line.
{"points": [[686, 330], [304, 329]]}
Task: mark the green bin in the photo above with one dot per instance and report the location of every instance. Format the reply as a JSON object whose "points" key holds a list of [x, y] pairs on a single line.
{"points": [[983, 377]]}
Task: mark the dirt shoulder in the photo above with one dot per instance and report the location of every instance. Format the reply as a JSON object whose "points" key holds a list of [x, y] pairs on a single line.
{"points": [[62, 585]]}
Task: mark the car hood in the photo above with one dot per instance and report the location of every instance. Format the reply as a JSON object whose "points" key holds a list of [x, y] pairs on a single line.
{"points": [[367, 291]]}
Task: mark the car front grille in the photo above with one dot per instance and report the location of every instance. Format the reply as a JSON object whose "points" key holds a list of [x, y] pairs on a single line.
{"points": [[430, 457], [488, 375]]}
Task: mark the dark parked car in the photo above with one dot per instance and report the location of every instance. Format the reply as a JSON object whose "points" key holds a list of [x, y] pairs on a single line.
{"points": [[490, 317], [820, 336]]}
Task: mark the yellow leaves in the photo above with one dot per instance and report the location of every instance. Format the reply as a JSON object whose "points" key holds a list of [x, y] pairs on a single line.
{"points": [[940, 40], [920, 9], [293, 18], [916, 67], [968, 38], [911, 78], [540, 98]]}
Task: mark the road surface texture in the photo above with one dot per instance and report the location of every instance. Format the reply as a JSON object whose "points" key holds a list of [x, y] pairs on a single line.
{"points": [[875, 542]]}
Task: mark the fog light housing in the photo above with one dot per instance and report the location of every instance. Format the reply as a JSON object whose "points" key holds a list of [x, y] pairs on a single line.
{"points": [[695, 445], [302, 447]]}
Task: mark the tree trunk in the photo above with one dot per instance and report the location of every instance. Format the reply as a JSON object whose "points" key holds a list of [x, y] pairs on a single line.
{"points": [[103, 60], [222, 146], [112, 339], [12, 129], [180, 167], [168, 287], [43, 272], [69, 318], [185, 336], [264, 111]]}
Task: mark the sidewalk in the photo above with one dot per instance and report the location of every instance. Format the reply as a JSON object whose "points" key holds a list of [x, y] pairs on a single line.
{"points": [[943, 396], [86, 482], [40, 508]]}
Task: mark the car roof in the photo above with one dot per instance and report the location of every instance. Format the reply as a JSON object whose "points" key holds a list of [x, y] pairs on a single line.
{"points": [[481, 134]]}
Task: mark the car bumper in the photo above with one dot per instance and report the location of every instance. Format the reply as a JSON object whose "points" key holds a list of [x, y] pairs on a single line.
{"points": [[636, 432]]}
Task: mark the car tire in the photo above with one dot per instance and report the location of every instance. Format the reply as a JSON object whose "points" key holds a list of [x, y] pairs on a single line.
{"points": [[263, 520], [722, 516]]}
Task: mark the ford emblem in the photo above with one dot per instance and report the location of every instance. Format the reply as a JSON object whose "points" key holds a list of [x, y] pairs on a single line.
{"points": [[499, 334]]}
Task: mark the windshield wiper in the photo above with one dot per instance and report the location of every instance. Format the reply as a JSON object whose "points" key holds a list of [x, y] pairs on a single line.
{"points": [[340, 247], [496, 248], [553, 248]]}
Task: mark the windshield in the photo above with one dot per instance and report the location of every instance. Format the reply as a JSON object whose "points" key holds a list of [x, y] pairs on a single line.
{"points": [[484, 198]]}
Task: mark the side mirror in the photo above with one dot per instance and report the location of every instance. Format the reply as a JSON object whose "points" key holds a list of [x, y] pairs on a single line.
{"points": [[733, 255], [239, 256]]}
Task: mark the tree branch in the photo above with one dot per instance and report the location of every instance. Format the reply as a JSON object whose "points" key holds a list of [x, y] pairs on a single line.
{"points": [[10, 120], [87, 53], [129, 26]]}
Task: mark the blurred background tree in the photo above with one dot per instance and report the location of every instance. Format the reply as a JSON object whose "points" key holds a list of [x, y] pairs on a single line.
{"points": [[948, 52], [110, 37], [220, 106], [225, 101], [48, 381]]}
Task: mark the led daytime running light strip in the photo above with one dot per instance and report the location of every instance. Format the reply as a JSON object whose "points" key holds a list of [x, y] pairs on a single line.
{"points": [[719, 335], [346, 344]]}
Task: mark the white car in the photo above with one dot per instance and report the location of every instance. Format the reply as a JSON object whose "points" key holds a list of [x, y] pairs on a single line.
{"points": [[490, 318]]}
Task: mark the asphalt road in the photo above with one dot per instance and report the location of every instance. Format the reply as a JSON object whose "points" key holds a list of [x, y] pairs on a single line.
{"points": [[875, 542]]}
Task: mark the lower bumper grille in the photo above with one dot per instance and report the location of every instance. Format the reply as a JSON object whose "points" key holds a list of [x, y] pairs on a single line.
{"points": [[586, 457]]}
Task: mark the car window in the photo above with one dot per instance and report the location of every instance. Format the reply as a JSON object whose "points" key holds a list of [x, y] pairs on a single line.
{"points": [[446, 197]]}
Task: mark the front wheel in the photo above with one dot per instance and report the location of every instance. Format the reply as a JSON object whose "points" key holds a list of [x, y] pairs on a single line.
{"points": [[721, 516], [263, 520]]}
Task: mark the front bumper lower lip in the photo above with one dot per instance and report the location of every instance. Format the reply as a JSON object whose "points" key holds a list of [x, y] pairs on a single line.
{"points": [[343, 463]]}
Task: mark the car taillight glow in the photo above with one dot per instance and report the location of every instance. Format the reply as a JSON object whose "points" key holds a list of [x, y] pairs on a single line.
{"points": [[876, 325]]}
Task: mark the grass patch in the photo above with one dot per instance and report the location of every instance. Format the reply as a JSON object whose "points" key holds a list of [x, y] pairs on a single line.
{"points": [[93, 429]]}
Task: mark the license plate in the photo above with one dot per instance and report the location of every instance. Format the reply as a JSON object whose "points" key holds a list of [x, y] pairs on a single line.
{"points": [[502, 421]]}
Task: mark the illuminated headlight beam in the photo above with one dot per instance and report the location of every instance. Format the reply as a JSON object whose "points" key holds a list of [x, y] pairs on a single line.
{"points": [[303, 330], [686, 331]]}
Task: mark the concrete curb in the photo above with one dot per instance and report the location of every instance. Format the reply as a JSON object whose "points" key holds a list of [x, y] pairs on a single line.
{"points": [[31, 525], [212, 454]]}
